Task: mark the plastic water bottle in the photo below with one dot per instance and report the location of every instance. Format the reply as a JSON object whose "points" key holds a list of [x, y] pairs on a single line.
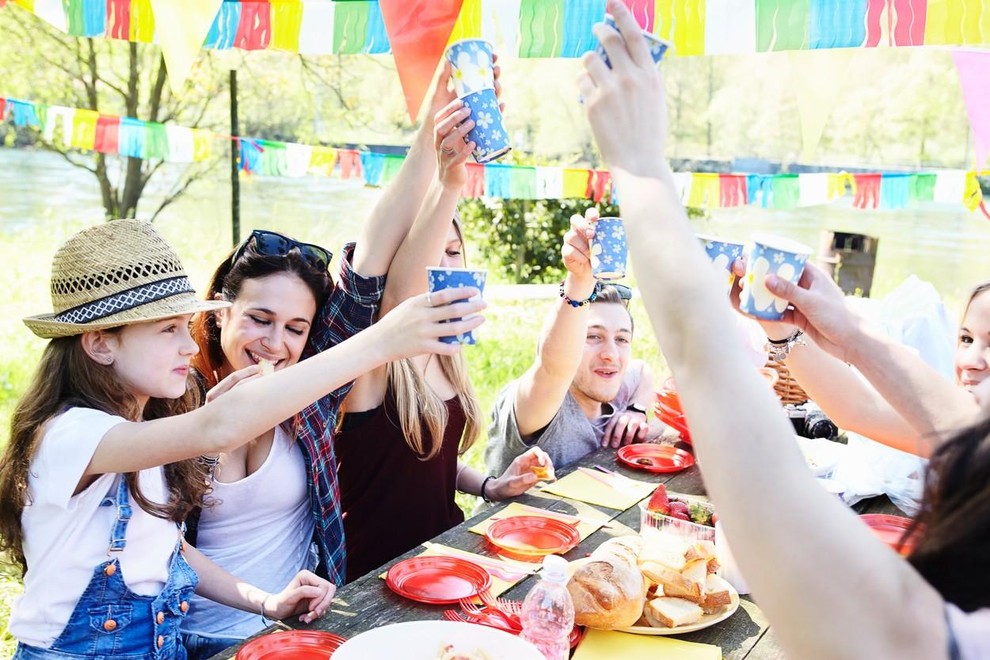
{"points": [[548, 613]]}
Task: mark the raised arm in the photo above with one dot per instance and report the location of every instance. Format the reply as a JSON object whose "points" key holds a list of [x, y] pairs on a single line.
{"points": [[424, 244], [393, 215], [931, 405], [261, 403], [542, 388], [766, 498]]}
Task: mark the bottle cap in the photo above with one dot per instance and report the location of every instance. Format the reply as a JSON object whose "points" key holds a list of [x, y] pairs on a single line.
{"points": [[555, 568]]}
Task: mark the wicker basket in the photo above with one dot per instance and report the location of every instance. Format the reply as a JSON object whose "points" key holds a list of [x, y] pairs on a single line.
{"points": [[786, 387]]}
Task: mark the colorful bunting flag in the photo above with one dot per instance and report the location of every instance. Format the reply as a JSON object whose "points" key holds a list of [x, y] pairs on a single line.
{"points": [[521, 28], [418, 31], [126, 136], [974, 76]]}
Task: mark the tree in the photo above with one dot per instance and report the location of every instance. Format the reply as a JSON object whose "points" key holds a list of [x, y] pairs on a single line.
{"points": [[113, 78]]}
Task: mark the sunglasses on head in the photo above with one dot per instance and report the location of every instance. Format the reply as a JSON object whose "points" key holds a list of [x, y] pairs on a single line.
{"points": [[624, 292], [272, 244]]}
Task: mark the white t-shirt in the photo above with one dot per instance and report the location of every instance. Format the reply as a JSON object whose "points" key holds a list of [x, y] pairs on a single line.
{"points": [[66, 536], [260, 530]]}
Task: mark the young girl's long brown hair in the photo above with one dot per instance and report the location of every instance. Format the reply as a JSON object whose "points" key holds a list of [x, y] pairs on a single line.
{"points": [[66, 378]]}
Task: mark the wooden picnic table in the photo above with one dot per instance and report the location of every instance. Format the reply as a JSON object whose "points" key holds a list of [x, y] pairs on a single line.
{"points": [[367, 603]]}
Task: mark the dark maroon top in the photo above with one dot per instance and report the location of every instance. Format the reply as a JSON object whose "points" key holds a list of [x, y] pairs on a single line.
{"points": [[392, 500]]}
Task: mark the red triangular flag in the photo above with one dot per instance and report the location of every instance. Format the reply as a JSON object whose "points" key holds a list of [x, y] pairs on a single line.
{"points": [[418, 31]]}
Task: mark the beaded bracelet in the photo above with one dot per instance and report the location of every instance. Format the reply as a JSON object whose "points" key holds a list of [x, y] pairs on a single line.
{"points": [[582, 303]]}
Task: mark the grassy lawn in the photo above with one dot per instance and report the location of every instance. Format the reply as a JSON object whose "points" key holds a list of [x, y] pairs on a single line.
{"points": [[507, 344]]}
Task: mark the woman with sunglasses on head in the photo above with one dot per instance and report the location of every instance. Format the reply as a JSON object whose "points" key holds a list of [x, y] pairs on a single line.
{"points": [[814, 568], [407, 422], [277, 504], [101, 466]]}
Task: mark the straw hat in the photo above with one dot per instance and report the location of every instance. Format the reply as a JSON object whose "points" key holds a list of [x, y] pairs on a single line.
{"points": [[116, 273]]}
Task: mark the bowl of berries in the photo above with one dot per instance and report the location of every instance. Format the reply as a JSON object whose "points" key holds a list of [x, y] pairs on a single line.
{"points": [[684, 515]]}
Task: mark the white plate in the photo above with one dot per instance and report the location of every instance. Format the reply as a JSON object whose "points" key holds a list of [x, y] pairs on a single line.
{"points": [[424, 640], [706, 620]]}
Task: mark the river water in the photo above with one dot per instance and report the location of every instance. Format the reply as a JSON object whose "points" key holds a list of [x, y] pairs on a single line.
{"points": [[43, 200]]}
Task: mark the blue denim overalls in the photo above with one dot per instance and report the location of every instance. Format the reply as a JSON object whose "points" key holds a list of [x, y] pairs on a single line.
{"points": [[110, 622]]}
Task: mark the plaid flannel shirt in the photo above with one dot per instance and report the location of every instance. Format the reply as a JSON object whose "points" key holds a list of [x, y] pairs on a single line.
{"points": [[348, 310]]}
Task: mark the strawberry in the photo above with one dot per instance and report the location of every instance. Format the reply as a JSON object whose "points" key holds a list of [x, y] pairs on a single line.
{"points": [[714, 518], [659, 501], [679, 510]]}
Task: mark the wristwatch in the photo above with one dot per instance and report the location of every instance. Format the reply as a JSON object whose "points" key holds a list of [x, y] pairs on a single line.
{"points": [[635, 407]]}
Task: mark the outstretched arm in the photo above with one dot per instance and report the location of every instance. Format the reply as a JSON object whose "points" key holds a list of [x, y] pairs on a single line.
{"points": [[542, 388], [259, 404], [754, 472], [905, 385]]}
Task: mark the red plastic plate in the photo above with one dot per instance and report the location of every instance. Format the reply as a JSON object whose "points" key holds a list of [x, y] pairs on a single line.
{"points": [[890, 529], [655, 458], [440, 580], [670, 400], [675, 422], [533, 535], [294, 644]]}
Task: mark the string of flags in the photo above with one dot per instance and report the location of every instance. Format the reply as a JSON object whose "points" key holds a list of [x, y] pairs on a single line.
{"points": [[88, 130], [542, 28]]}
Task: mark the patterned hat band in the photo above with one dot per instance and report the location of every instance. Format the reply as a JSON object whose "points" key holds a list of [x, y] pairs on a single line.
{"points": [[125, 300]]}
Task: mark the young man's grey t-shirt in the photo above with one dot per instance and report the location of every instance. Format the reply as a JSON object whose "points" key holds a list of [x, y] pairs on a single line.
{"points": [[569, 436]]}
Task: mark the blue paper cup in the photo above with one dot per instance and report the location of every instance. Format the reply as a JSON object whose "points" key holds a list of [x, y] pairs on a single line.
{"points": [[472, 67], [770, 254], [608, 249], [658, 47], [453, 278], [722, 253], [489, 136]]}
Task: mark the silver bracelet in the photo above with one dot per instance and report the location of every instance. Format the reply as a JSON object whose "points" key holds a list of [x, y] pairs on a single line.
{"points": [[779, 349]]}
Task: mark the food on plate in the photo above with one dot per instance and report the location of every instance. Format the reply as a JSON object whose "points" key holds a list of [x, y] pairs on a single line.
{"points": [[448, 652], [699, 513], [665, 612], [542, 472], [661, 581], [267, 367], [609, 590]]}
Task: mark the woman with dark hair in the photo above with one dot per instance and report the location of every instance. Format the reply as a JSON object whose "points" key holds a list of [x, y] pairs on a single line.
{"points": [[275, 504], [815, 569], [408, 422]]}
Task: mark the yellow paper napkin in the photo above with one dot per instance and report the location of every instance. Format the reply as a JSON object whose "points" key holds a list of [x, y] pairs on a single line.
{"points": [[608, 644], [586, 523], [504, 574], [621, 494]]}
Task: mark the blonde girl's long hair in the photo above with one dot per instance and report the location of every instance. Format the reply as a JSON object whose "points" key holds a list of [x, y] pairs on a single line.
{"points": [[418, 405], [67, 377]]}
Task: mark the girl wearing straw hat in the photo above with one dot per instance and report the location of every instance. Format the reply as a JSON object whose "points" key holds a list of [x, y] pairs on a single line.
{"points": [[100, 471]]}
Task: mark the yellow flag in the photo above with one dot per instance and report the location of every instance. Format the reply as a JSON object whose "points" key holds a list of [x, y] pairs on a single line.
{"points": [[181, 27], [817, 77]]}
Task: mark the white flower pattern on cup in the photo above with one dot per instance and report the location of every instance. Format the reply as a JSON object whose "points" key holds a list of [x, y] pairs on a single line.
{"points": [[484, 120]]}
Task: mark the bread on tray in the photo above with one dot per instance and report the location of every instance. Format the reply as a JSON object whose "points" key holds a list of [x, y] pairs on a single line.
{"points": [[609, 590]]}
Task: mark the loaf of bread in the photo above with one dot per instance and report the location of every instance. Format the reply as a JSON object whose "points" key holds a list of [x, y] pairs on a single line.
{"points": [[609, 590]]}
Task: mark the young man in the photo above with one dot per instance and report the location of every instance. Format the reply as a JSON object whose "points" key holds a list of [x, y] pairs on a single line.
{"points": [[583, 391]]}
